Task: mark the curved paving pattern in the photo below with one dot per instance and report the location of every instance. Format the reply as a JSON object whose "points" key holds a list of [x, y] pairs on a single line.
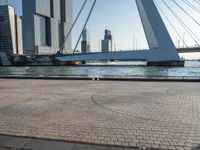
{"points": [[131, 114], [176, 105]]}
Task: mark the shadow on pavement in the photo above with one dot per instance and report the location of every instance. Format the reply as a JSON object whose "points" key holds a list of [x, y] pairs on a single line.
{"points": [[196, 148]]}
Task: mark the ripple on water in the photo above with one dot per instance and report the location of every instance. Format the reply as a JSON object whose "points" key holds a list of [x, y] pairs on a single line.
{"points": [[191, 69]]}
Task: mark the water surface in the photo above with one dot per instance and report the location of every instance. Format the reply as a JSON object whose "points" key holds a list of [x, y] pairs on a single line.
{"points": [[125, 70]]}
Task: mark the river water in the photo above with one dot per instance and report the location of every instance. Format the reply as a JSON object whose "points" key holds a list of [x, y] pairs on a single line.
{"points": [[125, 70]]}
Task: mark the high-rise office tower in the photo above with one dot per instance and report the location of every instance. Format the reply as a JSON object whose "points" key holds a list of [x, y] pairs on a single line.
{"points": [[10, 30], [45, 25], [85, 43], [106, 44], [3, 2]]}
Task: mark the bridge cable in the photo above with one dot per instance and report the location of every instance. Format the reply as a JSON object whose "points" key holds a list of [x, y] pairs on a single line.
{"points": [[191, 6], [188, 30], [91, 10], [159, 7], [198, 2], [186, 12], [69, 33]]}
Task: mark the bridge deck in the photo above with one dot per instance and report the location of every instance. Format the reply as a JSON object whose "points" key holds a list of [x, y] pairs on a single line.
{"points": [[188, 50]]}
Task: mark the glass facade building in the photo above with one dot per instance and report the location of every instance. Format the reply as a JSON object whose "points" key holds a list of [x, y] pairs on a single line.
{"points": [[85, 43], [10, 31], [45, 25], [106, 44]]}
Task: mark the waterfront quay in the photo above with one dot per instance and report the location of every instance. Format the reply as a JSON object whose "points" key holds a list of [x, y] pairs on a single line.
{"points": [[151, 115]]}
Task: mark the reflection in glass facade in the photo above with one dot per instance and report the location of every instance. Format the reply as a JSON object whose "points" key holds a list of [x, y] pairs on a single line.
{"points": [[40, 21], [3, 2]]}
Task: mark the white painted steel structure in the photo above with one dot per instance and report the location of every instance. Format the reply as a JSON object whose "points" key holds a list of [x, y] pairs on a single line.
{"points": [[161, 47]]}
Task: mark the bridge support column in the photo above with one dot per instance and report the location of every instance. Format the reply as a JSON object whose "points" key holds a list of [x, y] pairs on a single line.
{"points": [[163, 50]]}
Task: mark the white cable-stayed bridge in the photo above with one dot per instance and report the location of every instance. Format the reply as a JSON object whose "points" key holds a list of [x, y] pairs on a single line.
{"points": [[161, 50]]}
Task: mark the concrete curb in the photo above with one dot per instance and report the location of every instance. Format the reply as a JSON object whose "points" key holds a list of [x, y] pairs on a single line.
{"points": [[140, 79], [23, 143]]}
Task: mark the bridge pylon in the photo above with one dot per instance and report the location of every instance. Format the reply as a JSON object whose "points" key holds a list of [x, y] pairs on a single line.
{"points": [[162, 50]]}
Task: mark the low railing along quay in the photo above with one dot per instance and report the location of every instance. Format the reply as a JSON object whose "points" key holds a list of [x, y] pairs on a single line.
{"points": [[105, 78]]}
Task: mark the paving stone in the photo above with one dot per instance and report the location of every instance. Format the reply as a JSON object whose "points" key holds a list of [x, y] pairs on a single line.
{"points": [[151, 114]]}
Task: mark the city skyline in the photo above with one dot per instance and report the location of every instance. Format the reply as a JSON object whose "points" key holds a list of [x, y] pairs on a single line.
{"points": [[122, 19]]}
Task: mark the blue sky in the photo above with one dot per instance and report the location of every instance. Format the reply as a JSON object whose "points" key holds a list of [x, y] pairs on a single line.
{"points": [[116, 15], [122, 18]]}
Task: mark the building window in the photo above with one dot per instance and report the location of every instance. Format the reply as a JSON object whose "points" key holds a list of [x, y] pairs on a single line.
{"points": [[63, 10], [52, 8], [1, 19]]}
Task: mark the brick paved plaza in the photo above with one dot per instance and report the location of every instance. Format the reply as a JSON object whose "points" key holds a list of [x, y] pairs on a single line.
{"points": [[132, 114]]}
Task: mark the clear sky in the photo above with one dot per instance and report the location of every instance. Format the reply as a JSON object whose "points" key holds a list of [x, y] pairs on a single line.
{"points": [[122, 18]]}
